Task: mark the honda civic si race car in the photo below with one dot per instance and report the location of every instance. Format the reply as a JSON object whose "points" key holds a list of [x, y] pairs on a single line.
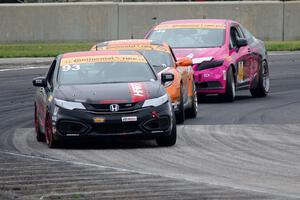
{"points": [[231, 58], [103, 93], [182, 90]]}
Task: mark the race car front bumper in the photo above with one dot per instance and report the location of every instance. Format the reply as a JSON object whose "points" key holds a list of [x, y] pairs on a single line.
{"points": [[147, 122], [211, 80]]}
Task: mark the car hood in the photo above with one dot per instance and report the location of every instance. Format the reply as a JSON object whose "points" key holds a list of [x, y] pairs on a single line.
{"points": [[216, 53], [110, 92]]}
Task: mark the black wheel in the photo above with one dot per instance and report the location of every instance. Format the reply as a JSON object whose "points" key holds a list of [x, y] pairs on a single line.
{"points": [[170, 140], [263, 85], [50, 140], [229, 95], [40, 137], [180, 116], [192, 111]]}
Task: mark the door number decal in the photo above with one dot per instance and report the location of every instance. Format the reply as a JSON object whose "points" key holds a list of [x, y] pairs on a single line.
{"points": [[240, 71]]}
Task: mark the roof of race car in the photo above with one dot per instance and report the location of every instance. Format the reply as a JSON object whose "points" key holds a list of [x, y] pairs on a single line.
{"points": [[205, 23], [222, 21], [134, 44], [101, 56]]}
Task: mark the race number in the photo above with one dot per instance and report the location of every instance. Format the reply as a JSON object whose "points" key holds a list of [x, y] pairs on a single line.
{"points": [[66, 68]]}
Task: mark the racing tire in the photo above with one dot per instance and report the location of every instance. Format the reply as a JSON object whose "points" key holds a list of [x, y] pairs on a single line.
{"points": [[170, 140], [180, 116], [40, 137], [50, 139], [263, 84], [193, 110], [229, 95]]}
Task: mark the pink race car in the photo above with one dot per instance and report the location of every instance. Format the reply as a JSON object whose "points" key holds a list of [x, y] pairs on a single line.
{"points": [[226, 56]]}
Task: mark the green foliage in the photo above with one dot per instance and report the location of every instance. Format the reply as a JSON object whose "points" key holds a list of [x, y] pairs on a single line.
{"points": [[53, 49], [40, 49], [283, 45]]}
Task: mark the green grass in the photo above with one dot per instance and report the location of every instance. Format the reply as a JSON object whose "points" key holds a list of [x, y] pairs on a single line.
{"points": [[40, 49], [53, 49], [283, 45]]}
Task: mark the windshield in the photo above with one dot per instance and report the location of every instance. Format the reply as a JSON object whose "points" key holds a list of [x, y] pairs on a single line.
{"points": [[158, 59], [190, 37], [105, 72]]}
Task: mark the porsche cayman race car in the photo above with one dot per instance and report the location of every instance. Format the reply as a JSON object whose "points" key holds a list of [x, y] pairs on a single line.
{"points": [[232, 58], [160, 56], [84, 94]]}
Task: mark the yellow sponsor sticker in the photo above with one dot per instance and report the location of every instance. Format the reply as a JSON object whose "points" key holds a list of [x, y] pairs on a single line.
{"points": [[240, 71], [193, 25], [99, 119], [50, 98], [102, 58], [135, 47]]}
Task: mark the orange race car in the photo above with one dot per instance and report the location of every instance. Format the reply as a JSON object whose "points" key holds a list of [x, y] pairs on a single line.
{"points": [[182, 89]]}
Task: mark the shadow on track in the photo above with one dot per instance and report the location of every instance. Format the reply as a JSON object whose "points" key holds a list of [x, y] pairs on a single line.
{"points": [[107, 143], [215, 99]]}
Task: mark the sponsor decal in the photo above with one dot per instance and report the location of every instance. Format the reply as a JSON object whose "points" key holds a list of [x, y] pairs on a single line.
{"points": [[99, 119], [138, 92], [101, 58], [135, 47], [50, 98], [129, 119], [206, 75], [192, 25], [240, 77]]}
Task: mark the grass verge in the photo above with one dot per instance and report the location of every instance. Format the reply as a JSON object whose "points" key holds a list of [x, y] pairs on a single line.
{"points": [[40, 49], [283, 45], [53, 49]]}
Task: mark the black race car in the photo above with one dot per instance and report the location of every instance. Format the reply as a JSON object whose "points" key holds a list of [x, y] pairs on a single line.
{"points": [[103, 93]]}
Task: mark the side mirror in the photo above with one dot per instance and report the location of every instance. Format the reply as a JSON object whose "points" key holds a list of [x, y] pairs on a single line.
{"points": [[39, 82], [166, 77], [241, 42], [184, 62]]}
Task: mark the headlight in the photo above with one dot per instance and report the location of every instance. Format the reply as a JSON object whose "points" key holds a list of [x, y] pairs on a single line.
{"points": [[209, 64], [156, 101], [70, 105]]}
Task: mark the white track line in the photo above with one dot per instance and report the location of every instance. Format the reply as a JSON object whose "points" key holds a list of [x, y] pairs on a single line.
{"points": [[21, 68]]}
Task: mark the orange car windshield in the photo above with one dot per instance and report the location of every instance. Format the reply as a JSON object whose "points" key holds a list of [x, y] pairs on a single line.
{"points": [[158, 59]]}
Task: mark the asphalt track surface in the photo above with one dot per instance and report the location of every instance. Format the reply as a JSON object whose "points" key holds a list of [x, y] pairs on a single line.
{"points": [[249, 149]]}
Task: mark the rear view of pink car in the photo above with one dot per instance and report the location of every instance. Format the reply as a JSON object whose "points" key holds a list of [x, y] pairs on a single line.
{"points": [[226, 56]]}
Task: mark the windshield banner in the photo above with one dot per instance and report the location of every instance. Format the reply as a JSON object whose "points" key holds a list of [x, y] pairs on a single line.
{"points": [[102, 58]]}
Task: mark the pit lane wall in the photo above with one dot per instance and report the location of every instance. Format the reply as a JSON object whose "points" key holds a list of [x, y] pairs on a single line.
{"points": [[73, 22]]}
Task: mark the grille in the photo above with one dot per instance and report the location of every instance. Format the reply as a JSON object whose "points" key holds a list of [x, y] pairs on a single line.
{"points": [[162, 123], [209, 85], [70, 127], [105, 107], [115, 128]]}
